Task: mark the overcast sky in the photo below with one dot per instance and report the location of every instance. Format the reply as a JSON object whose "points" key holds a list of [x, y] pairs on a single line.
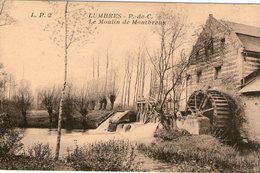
{"points": [[27, 51]]}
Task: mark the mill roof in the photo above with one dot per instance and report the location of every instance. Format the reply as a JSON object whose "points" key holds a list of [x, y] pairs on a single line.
{"points": [[249, 36], [253, 86], [242, 28]]}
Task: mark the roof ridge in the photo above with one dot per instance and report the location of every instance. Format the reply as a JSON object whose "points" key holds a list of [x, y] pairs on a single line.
{"points": [[236, 23]]}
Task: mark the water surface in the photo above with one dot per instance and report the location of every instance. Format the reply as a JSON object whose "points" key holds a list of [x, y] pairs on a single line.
{"points": [[138, 133]]}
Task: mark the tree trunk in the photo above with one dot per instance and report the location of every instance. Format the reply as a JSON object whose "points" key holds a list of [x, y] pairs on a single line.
{"points": [[50, 117], [100, 104], [123, 90], [136, 79], [25, 123], [104, 103], [112, 105], [84, 122], [65, 83]]}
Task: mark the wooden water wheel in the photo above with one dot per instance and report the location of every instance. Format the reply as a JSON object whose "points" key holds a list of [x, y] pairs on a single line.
{"points": [[212, 104]]}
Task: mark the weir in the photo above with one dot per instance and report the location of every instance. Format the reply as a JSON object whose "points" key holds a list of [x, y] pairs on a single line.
{"points": [[116, 118], [126, 123]]}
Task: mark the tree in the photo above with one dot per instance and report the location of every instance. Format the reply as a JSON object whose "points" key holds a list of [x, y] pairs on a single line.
{"points": [[140, 75], [126, 90], [169, 60], [49, 98], [3, 82], [5, 18], [112, 87], [82, 103], [69, 107], [23, 100], [68, 29]]}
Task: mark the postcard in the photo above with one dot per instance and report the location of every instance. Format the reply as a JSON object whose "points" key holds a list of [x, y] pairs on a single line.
{"points": [[129, 86]]}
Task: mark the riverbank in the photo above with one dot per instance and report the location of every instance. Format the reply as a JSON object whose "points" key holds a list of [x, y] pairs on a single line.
{"points": [[144, 147], [178, 153], [199, 153], [40, 119]]}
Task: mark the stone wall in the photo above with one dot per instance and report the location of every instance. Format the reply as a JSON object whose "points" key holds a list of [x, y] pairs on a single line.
{"points": [[194, 125], [252, 116]]}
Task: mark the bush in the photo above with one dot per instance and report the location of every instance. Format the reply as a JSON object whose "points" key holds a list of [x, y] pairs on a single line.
{"points": [[170, 135], [36, 157], [200, 153], [40, 151], [114, 155], [9, 137], [22, 162]]}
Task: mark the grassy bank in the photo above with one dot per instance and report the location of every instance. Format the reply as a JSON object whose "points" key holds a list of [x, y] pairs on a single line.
{"points": [[114, 155], [40, 119], [201, 153]]}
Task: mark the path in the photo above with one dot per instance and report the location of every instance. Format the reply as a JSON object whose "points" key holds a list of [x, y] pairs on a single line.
{"points": [[151, 165]]}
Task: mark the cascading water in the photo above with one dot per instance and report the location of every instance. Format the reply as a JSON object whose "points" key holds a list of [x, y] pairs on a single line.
{"points": [[113, 118], [128, 130]]}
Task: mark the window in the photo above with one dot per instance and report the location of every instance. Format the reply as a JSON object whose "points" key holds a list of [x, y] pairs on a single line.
{"points": [[188, 79], [217, 72], [199, 76], [206, 48], [197, 54], [209, 46], [222, 42]]}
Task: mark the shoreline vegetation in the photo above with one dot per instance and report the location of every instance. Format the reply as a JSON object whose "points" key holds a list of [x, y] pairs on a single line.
{"points": [[40, 119], [174, 151], [200, 153]]}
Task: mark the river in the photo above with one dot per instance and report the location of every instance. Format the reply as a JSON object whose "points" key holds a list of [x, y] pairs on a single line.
{"points": [[138, 133]]}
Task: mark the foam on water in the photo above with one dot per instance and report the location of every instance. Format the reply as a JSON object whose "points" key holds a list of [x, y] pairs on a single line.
{"points": [[137, 133]]}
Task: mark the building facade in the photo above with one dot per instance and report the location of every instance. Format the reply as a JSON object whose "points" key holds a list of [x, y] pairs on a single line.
{"points": [[226, 60]]}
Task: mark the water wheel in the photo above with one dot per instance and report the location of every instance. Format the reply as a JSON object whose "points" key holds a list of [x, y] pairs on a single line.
{"points": [[212, 104]]}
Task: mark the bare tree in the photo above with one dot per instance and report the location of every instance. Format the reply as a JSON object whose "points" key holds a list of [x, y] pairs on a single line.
{"points": [[82, 103], [137, 76], [69, 106], [129, 80], [169, 60], [93, 93], [70, 28], [112, 87], [126, 90], [5, 18], [49, 98], [23, 100]]}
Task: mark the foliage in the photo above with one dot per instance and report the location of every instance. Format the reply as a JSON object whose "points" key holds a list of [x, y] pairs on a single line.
{"points": [[237, 108], [40, 151], [36, 157], [9, 138], [25, 163], [15, 115], [68, 107], [23, 99], [201, 153], [49, 98], [5, 18], [114, 155], [170, 135]]}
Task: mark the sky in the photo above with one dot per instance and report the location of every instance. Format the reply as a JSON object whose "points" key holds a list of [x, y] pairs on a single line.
{"points": [[28, 52]]}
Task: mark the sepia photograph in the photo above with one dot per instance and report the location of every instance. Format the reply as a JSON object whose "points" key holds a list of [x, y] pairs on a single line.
{"points": [[129, 86]]}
